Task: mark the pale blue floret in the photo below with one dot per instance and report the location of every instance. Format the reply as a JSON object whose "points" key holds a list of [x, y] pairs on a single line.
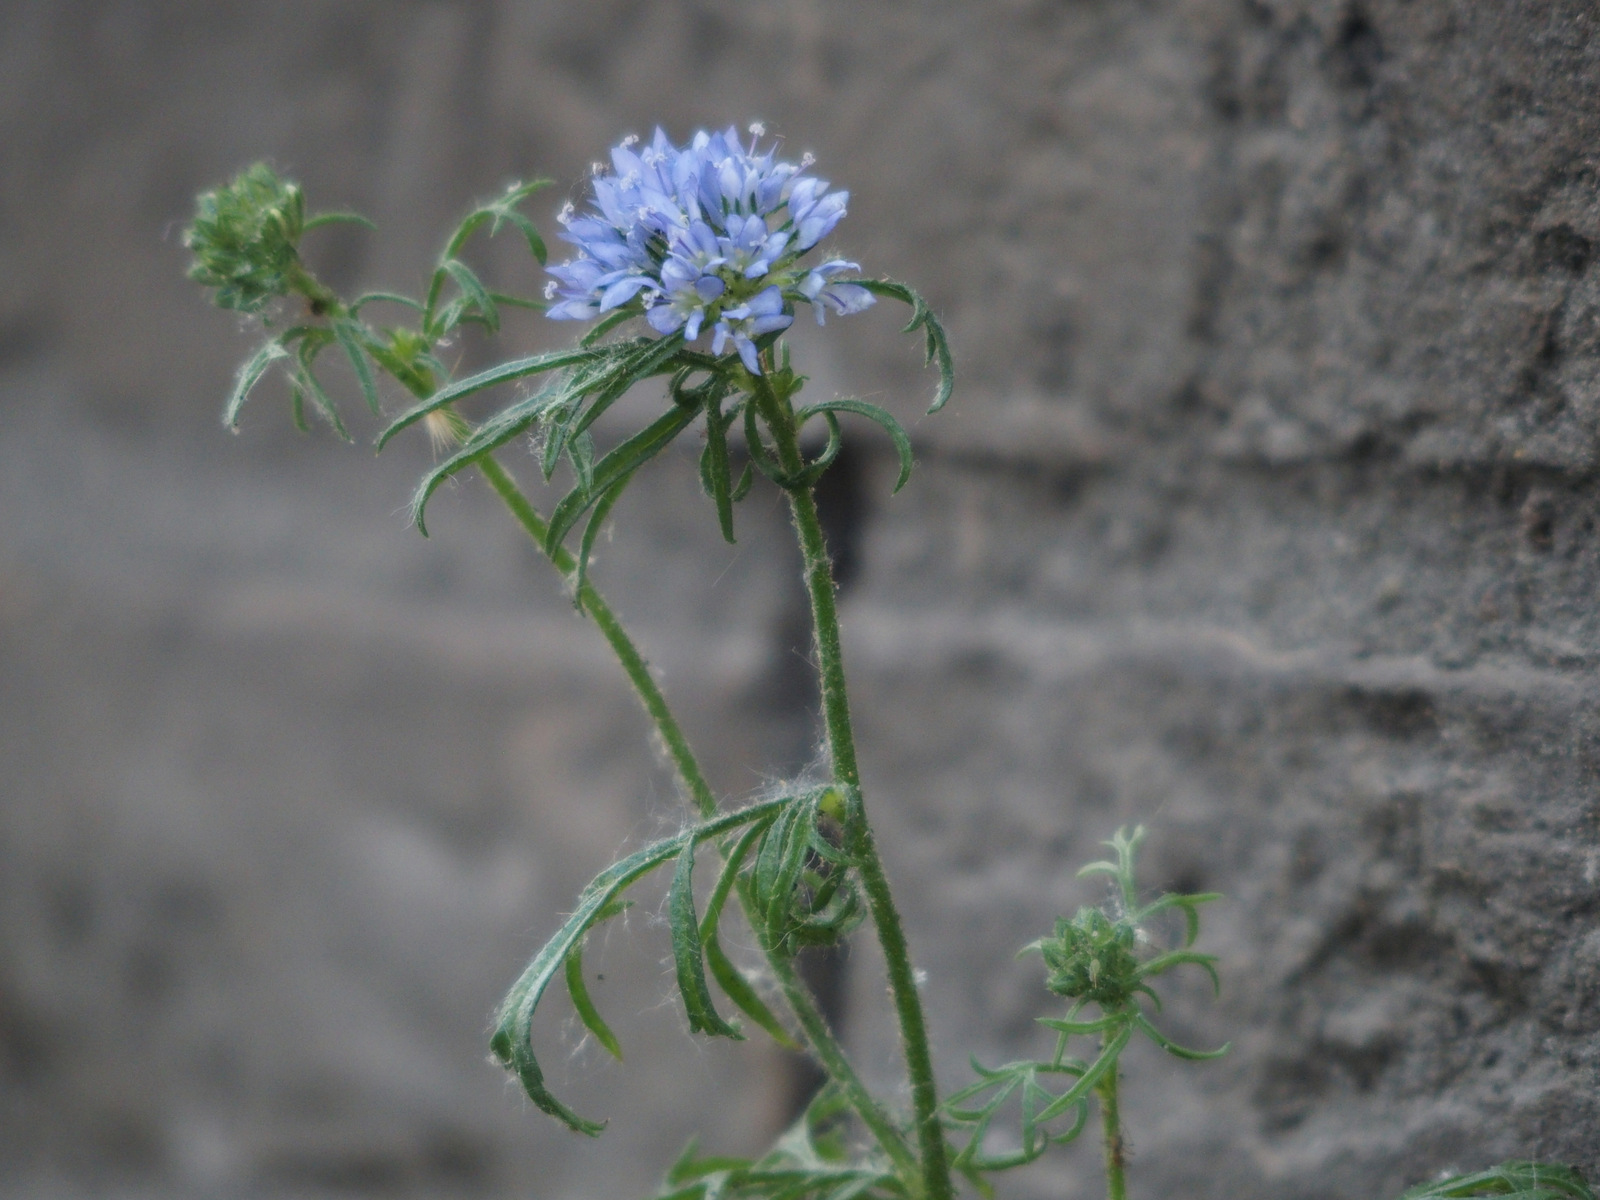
{"points": [[763, 313], [843, 298], [709, 233]]}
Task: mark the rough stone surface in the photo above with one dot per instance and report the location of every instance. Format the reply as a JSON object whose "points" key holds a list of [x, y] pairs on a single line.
{"points": [[1265, 515]]}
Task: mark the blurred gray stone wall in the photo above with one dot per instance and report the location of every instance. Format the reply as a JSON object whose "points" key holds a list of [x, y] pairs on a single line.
{"points": [[1265, 515]]}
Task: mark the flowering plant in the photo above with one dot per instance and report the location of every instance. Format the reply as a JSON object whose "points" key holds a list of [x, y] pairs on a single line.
{"points": [[712, 237]]}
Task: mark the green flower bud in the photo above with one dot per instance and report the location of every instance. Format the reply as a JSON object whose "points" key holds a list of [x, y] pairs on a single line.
{"points": [[1091, 958], [245, 238]]}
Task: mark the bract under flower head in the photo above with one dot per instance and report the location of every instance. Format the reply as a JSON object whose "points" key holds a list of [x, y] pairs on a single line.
{"points": [[704, 236]]}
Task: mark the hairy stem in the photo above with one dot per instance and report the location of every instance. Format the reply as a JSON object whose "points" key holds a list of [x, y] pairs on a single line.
{"points": [[633, 663], [1111, 1120], [839, 1069], [818, 570]]}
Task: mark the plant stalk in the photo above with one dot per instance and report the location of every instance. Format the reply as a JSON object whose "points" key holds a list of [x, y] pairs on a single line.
{"points": [[1111, 1121], [839, 1069], [818, 571]]}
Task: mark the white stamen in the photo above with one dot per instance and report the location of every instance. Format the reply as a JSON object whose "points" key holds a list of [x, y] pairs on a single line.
{"points": [[596, 168], [566, 212], [550, 290], [631, 140], [807, 159], [758, 128]]}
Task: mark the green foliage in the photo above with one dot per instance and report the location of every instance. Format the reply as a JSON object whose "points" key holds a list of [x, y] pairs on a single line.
{"points": [[1518, 1180], [1097, 958], [246, 244], [796, 883], [811, 1161]]}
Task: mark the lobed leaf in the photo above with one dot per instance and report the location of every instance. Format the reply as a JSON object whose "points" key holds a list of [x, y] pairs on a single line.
{"points": [[614, 469], [510, 1042], [1106, 1061], [352, 340], [591, 531], [1520, 1180], [937, 345], [337, 218], [896, 432], [689, 954], [490, 436], [578, 989], [1172, 1047], [504, 373], [473, 291], [249, 375]]}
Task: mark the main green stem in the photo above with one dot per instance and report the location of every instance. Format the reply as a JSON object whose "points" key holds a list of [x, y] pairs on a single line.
{"points": [[1111, 1121], [818, 570]]}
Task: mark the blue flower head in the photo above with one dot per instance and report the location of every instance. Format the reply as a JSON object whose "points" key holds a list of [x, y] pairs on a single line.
{"points": [[704, 236]]}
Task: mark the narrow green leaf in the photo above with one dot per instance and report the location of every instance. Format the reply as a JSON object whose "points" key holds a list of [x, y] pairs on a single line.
{"points": [[1172, 1047], [688, 954], [470, 224], [536, 245], [249, 375], [307, 378], [762, 458], [896, 432], [297, 406], [649, 357], [436, 282], [504, 298], [337, 218], [1173, 958], [937, 345], [367, 298], [769, 859], [780, 902], [624, 460], [732, 864], [1078, 1027], [580, 453], [492, 434], [578, 989], [518, 1057], [1520, 1180], [351, 336], [504, 373], [717, 468], [1107, 1061], [729, 977], [817, 466], [597, 520], [745, 997], [513, 1023], [473, 290]]}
